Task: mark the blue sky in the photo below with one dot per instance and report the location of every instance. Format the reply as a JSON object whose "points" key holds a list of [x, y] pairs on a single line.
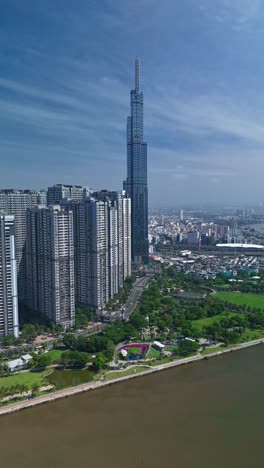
{"points": [[66, 73]]}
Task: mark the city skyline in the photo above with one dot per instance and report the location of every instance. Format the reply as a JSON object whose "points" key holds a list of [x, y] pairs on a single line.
{"points": [[63, 95]]}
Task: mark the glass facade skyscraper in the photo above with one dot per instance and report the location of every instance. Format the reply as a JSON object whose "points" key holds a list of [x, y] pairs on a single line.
{"points": [[136, 184]]}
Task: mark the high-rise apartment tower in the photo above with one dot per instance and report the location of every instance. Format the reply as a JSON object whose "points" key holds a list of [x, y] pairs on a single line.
{"points": [[8, 278], [16, 202], [50, 264], [102, 246]]}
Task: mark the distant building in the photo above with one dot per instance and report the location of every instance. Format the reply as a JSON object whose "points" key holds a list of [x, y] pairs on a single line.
{"points": [[181, 215], [58, 192], [50, 264], [8, 278], [193, 237]]}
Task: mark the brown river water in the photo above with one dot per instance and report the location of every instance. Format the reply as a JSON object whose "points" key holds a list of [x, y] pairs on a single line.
{"points": [[203, 415]]}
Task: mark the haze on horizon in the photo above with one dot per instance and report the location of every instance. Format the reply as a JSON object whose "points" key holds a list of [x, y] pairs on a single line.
{"points": [[66, 73]]}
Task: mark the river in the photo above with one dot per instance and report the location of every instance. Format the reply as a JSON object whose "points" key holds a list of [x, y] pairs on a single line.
{"points": [[208, 414]]}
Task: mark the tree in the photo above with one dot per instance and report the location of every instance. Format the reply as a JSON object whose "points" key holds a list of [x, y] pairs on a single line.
{"points": [[70, 341], [8, 340], [187, 347], [23, 388], [74, 359], [34, 389], [99, 362], [44, 360], [82, 343], [138, 321], [29, 332]]}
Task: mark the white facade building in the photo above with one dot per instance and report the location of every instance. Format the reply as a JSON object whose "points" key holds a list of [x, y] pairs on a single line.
{"points": [[8, 278]]}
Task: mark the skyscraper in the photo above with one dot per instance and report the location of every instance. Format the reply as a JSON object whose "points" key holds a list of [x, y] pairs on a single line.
{"points": [[16, 202], [119, 233], [136, 183], [91, 252], [8, 278], [50, 264]]}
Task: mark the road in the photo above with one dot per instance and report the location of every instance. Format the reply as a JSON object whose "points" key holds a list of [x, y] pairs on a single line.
{"points": [[134, 296]]}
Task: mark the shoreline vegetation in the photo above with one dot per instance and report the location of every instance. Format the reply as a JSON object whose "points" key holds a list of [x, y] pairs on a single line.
{"points": [[146, 370]]}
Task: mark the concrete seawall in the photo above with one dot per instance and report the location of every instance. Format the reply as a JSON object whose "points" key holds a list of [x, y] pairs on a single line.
{"points": [[95, 385]]}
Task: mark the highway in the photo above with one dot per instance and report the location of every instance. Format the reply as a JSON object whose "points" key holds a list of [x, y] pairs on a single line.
{"points": [[134, 296]]}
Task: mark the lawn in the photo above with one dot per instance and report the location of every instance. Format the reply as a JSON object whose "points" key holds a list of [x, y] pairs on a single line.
{"points": [[134, 350], [171, 348], [214, 349], [153, 353], [26, 378], [251, 300], [133, 370], [204, 322], [55, 354], [158, 362], [250, 335]]}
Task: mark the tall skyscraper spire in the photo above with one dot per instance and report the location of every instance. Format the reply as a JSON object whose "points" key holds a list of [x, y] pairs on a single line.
{"points": [[136, 183], [137, 74]]}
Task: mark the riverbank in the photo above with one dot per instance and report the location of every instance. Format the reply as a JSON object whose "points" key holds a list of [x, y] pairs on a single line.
{"points": [[95, 385]]}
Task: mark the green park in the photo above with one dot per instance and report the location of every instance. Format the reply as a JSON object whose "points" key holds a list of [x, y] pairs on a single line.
{"points": [[184, 323]]}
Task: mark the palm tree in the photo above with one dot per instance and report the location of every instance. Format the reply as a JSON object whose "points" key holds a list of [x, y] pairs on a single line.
{"points": [[23, 388], [34, 389]]}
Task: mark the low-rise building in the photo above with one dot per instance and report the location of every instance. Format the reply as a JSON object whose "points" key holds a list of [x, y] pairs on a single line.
{"points": [[20, 363]]}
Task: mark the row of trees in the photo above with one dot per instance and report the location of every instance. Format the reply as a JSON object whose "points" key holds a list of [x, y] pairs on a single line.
{"points": [[19, 389]]}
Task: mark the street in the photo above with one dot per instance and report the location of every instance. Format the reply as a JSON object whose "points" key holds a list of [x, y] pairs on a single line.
{"points": [[135, 294]]}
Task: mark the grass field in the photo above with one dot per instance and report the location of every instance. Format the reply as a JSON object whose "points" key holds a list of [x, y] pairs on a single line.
{"points": [[27, 378], [251, 300], [250, 335], [204, 322], [55, 354], [171, 348], [135, 350], [153, 353], [214, 349], [158, 362], [116, 375]]}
